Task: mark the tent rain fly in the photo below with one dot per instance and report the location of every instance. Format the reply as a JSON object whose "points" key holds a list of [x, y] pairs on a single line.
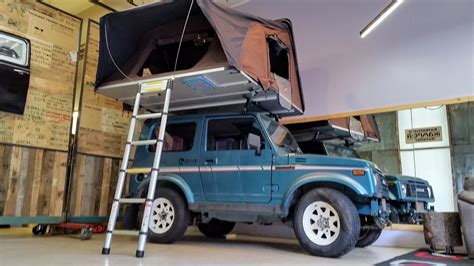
{"points": [[227, 58]]}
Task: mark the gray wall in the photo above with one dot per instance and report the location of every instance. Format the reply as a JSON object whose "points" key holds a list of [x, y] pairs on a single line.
{"points": [[384, 153], [461, 120]]}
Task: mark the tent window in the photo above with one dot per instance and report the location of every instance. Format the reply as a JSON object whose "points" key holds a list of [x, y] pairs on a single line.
{"points": [[278, 53], [162, 58]]}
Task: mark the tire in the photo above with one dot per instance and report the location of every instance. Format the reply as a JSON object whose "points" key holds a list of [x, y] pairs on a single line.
{"points": [[216, 228], [169, 217], [367, 237], [132, 217], [394, 217], [326, 206]]}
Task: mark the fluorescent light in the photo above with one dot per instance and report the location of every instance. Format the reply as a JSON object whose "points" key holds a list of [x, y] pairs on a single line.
{"points": [[75, 116], [380, 17]]}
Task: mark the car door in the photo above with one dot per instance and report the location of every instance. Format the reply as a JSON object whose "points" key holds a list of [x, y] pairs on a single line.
{"points": [[14, 72], [180, 151], [231, 170]]}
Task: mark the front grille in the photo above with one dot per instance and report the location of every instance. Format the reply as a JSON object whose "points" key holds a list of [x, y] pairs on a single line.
{"points": [[417, 191], [381, 182]]}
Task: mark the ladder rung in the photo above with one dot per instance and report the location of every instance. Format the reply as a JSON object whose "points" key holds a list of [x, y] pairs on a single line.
{"points": [[132, 200], [138, 170], [149, 116], [125, 232], [144, 142]]}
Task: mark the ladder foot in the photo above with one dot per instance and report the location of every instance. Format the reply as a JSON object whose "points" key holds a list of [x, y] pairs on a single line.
{"points": [[105, 251], [140, 253]]}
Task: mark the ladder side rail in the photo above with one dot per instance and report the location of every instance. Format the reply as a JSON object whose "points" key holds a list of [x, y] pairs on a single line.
{"points": [[154, 174], [121, 178]]}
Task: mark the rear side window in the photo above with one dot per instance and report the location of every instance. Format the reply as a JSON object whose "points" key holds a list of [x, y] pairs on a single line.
{"points": [[178, 137], [231, 134], [13, 50]]}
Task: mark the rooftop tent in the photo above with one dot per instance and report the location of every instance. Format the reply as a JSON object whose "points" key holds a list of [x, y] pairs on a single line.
{"points": [[227, 58], [355, 128]]}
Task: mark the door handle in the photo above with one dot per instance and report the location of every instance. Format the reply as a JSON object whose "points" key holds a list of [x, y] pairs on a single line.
{"points": [[19, 71], [181, 161]]}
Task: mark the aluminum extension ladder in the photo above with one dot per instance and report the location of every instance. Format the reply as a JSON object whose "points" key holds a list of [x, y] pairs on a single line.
{"points": [[145, 88]]}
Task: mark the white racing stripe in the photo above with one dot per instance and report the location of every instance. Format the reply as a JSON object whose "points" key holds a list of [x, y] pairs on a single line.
{"points": [[244, 168]]}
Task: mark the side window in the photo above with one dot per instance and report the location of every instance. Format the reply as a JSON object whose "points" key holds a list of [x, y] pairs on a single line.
{"points": [[13, 50], [278, 53], [231, 134], [178, 137]]}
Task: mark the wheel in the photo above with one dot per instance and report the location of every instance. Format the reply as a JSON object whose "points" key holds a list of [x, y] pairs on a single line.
{"points": [[130, 216], [326, 223], [86, 233], [39, 229], [216, 228], [394, 217], [169, 217], [36, 230], [368, 236]]}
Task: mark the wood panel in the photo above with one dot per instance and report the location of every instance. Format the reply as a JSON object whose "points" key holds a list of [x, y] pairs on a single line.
{"points": [[54, 38], [93, 185], [32, 181], [103, 124]]}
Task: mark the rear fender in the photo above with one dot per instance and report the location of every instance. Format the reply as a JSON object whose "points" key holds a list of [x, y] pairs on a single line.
{"points": [[172, 178]]}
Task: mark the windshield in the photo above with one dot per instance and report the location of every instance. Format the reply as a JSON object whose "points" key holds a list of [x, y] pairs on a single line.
{"points": [[341, 151], [280, 136]]}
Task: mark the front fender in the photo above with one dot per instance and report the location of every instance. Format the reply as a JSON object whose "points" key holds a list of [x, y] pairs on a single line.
{"points": [[172, 178], [316, 178]]}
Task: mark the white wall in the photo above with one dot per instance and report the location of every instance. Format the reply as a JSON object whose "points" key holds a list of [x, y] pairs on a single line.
{"points": [[429, 160], [423, 52]]}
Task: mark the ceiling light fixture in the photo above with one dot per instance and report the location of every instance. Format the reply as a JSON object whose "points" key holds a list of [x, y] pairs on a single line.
{"points": [[380, 17]]}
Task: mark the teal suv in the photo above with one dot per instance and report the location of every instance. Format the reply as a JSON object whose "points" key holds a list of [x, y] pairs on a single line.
{"points": [[219, 170]]}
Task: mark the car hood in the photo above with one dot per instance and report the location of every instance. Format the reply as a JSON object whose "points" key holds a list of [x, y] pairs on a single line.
{"points": [[405, 178], [315, 159]]}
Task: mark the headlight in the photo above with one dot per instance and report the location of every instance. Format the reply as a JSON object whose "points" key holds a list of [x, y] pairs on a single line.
{"points": [[375, 177], [429, 191], [403, 188]]}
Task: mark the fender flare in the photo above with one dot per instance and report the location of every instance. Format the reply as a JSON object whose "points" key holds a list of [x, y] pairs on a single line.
{"points": [[174, 179], [317, 178]]}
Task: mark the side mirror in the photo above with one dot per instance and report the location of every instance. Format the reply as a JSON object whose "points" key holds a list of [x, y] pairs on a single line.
{"points": [[254, 143]]}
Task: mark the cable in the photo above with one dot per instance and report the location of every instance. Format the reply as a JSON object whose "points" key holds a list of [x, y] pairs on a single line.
{"points": [[182, 36], [111, 57]]}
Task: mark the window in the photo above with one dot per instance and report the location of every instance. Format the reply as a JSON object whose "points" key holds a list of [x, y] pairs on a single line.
{"points": [[278, 53], [178, 137], [280, 136], [13, 50], [231, 134]]}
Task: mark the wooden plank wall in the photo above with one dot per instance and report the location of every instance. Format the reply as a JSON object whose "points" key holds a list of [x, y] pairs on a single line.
{"points": [[93, 185], [33, 181]]}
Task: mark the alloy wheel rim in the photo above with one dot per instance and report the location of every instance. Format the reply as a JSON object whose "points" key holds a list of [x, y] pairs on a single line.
{"points": [[162, 216], [321, 223]]}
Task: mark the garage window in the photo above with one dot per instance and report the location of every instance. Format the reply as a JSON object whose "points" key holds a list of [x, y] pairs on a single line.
{"points": [[278, 53], [178, 137]]}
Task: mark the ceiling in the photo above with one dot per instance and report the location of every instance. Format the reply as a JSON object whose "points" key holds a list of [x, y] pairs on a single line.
{"points": [[328, 28], [79, 6]]}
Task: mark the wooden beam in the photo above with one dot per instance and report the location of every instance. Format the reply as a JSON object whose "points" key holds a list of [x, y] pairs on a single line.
{"points": [[377, 110]]}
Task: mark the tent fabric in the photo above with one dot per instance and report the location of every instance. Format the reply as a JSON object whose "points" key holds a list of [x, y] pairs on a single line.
{"points": [[242, 42]]}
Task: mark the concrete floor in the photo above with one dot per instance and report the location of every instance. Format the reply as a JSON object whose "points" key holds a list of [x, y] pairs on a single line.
{"points": [[24, 249]]}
